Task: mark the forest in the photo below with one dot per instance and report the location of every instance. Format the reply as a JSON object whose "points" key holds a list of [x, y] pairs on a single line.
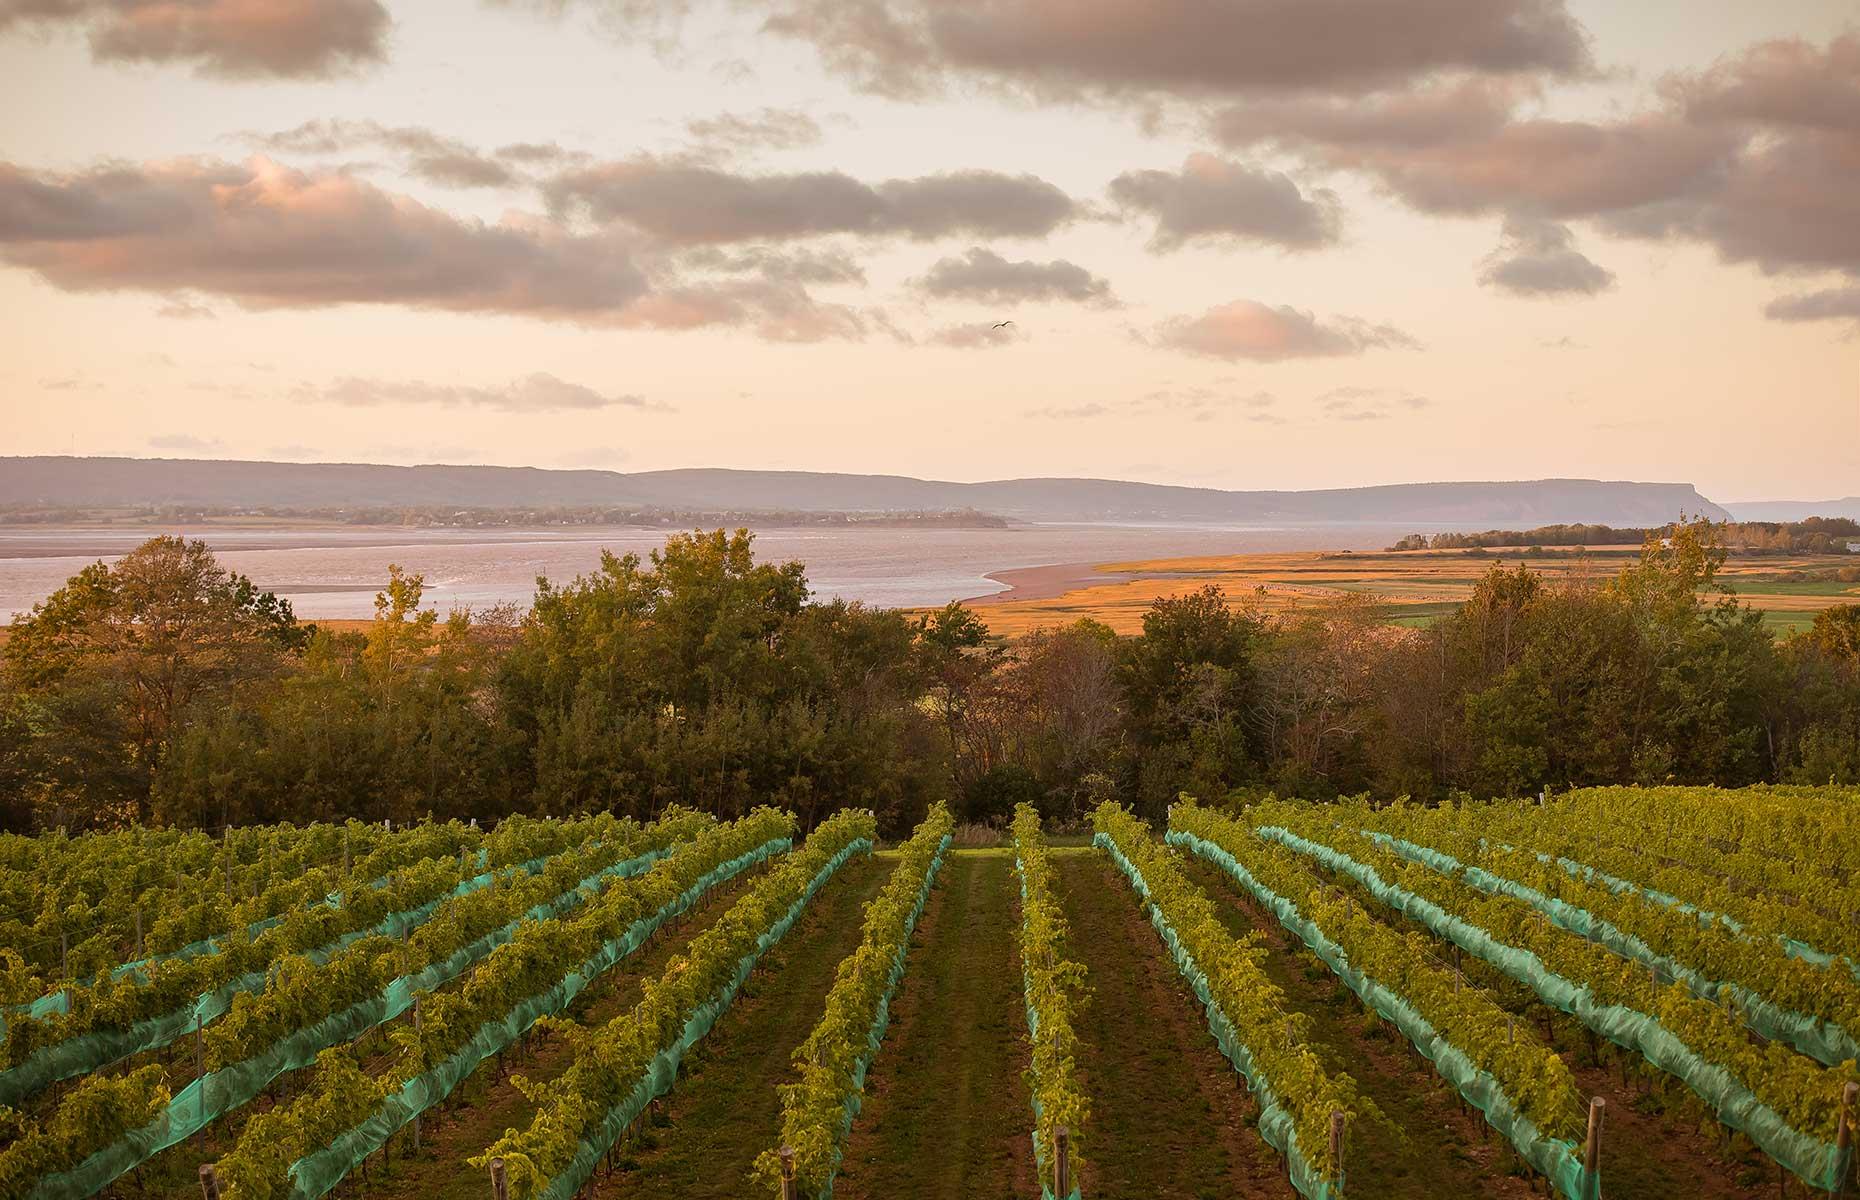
{"points": [[163, 689]]}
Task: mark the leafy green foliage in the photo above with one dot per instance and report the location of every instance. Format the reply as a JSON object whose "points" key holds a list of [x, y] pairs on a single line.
{"points": [[1809, 850], [816, 1110], [1055, 989], [1240, 988], [338, 1097], [611, 1060], [1803, 1093], [1532, 1075], [97, 1112]]}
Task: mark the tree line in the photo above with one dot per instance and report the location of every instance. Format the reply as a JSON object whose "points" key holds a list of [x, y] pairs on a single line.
{"points": [[163, 688], [1812, 535]]}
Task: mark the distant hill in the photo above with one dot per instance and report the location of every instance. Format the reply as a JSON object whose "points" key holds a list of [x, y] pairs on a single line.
{"points": [[1795, 510], [100, 482]]}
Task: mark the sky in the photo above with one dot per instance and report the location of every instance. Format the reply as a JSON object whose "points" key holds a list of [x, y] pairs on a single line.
{"points": [[1241, 244]]}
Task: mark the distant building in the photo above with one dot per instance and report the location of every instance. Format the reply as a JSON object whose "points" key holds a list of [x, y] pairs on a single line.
{"points": [[1853, 547]]}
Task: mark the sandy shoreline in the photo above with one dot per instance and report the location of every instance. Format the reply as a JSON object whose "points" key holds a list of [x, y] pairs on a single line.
{"points": [[1044, 582]]}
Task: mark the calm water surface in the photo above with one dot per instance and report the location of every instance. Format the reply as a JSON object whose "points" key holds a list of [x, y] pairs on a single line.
{"points": [[336, 572]]}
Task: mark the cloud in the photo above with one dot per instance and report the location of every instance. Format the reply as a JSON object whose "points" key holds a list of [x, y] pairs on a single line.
{"points": [[1754, 157], [1539, 258], [1200, 404], [777, 309], [1368, 404], [1787, 82], [185, 442], [183, 309], [693, 204], [787, 266], [537, 392], [433, 157], [1831, 304], [1428, 115], [1192, 48], [270, 237], [977, 335], [235, 39], [983, 275], [1071, 412], [538, 154], [1215, 200], [1248, 329], [765, 129]]}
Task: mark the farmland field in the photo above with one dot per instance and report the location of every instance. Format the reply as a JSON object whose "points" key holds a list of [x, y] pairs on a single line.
{"points": [[1619, 992], [1415, 587]]}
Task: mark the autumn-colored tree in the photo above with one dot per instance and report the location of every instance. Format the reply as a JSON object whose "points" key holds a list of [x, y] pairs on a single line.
{"points": [[107, 669]]}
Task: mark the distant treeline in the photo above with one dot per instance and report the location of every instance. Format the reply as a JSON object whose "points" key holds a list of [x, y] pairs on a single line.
{"points": [[451, 516], [164, 688], [1815, 535]]}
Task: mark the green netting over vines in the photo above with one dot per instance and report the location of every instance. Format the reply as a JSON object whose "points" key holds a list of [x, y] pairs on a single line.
{"points": [[1557, 1160], [1823, 1041], [221, 1091], [86, 1052], [1041, 1168], [1275, 1123], [657, 1079], [314, 1174], [881, 1021], [1817, 1163], [58, 1002]]}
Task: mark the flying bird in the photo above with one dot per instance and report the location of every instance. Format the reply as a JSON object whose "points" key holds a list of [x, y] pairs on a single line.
{"points": [[1002, 325]]}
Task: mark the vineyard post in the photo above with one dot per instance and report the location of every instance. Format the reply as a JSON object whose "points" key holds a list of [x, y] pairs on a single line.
{"points": [[1336, 1145], [64, 954], [1062, 1162], [1592, 1146], [500, 1183], [200, 1065], [209, 1182], [138, 931], [345, 849], [788, 1189], [1511, 1029], [1844, 1135], [416, 1037]]}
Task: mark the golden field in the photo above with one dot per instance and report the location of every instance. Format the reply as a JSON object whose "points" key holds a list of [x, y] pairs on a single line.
{"points": [[1416, 586]]}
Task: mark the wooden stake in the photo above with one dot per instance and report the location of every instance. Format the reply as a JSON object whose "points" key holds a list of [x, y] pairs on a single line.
{"points": [[64, 954], [138, 932], [200, 1066], [1336, 1144], [788, 1189], [416, 1034], [1844, 1134], [1592, 1146], [1511, 1029], [500, 1184], [209, 1182], [1062, 1163]]}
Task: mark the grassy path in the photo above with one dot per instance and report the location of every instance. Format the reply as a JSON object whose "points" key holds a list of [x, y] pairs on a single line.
{"points": [[1430, 1145], [946, 1116], [727, 1111], [1169, 1114]]}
